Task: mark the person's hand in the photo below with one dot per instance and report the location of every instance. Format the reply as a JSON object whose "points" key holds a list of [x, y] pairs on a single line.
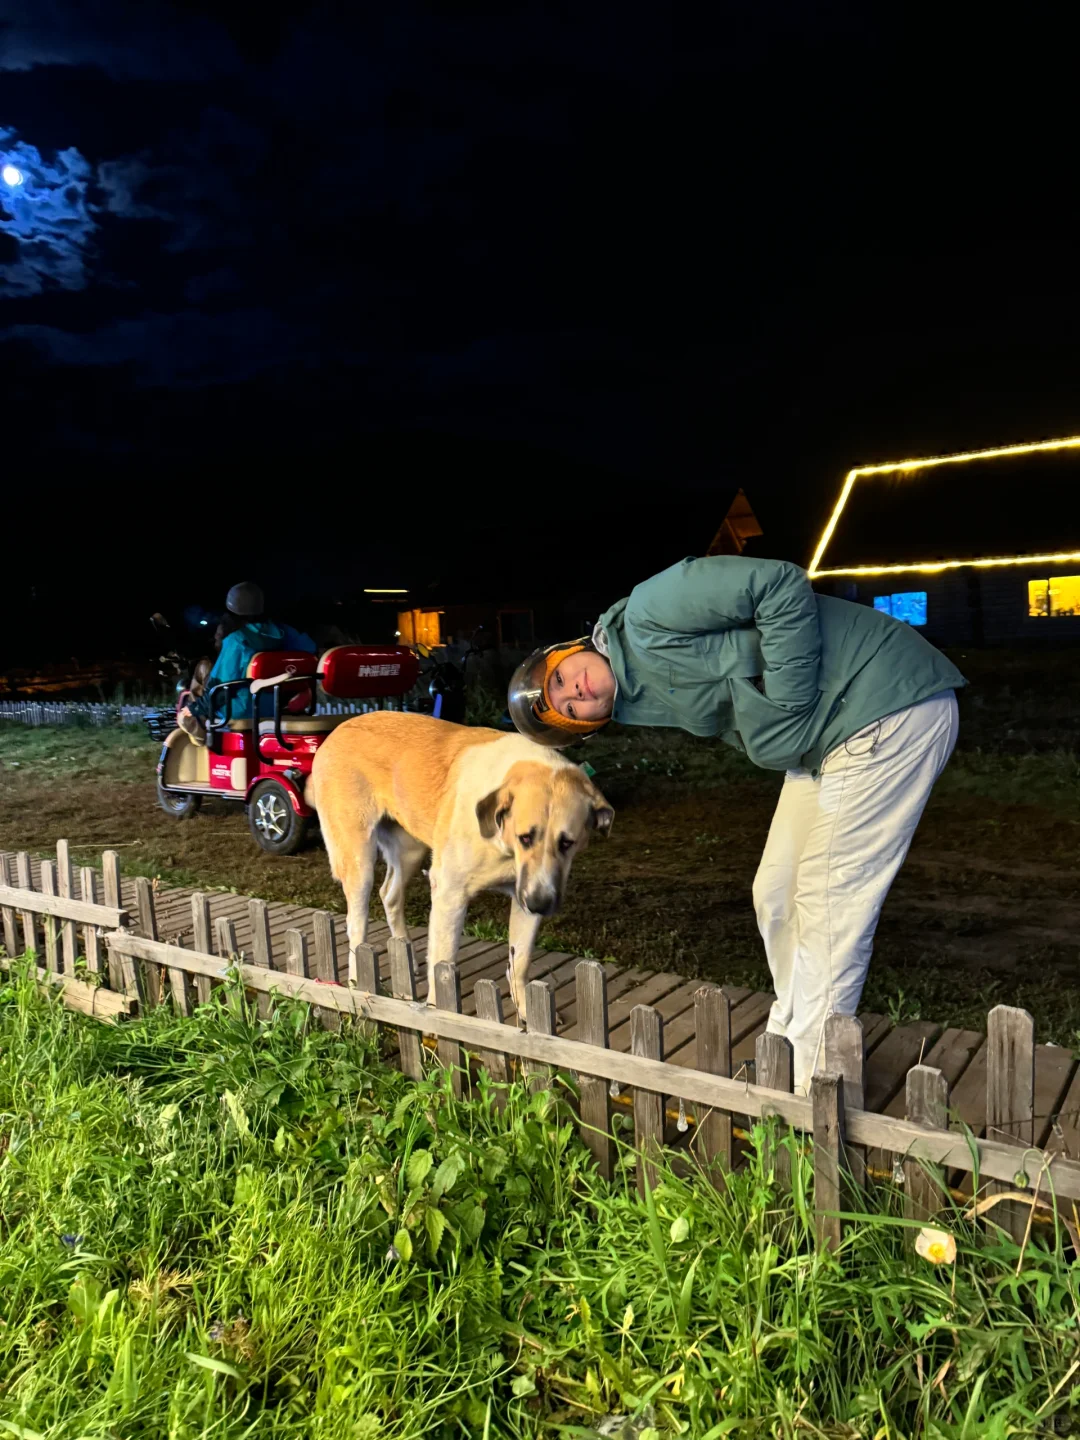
{"points": [[187, 711]]}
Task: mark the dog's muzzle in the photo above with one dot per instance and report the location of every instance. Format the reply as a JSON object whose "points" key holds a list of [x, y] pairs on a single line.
{"points": [[541, 900]]}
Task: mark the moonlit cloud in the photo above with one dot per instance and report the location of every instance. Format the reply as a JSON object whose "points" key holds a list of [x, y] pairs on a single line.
{"points": [[46, 220]]}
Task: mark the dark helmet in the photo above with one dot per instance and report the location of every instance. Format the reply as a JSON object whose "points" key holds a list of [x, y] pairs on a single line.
{"points": [[245, 599]]}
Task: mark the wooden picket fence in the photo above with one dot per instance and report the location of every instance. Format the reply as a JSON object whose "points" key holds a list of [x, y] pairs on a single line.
{"points": [[108, 962]]}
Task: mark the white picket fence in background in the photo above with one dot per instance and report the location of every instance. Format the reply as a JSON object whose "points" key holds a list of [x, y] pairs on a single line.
{"points": [[79, 712]]}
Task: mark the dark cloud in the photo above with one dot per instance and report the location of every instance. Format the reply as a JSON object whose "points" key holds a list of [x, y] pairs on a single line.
{"points": [[129, 39]]}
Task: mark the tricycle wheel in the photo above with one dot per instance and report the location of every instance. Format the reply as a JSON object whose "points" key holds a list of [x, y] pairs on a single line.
{"points": [[277, 828], [176, 804]]}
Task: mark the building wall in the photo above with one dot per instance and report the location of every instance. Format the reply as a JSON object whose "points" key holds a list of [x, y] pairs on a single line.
{"points": [[974, 606]]}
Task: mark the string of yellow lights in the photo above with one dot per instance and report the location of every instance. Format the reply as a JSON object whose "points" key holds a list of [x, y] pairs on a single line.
{"points": [[910, 466]]}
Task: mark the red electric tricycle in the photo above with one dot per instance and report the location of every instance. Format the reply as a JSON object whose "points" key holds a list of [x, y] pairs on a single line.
{"points": [[263, 762]]}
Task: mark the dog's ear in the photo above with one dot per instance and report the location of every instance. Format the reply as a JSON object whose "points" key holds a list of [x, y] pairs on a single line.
{"points": [[492, 811], [602, 812], [602, 816]]}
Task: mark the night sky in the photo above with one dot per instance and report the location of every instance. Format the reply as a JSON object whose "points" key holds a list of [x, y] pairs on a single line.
{"points": [[374, 295]]}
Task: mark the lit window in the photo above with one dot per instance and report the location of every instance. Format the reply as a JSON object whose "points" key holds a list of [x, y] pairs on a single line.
{"points": [[909, 605], [1058, 596]]}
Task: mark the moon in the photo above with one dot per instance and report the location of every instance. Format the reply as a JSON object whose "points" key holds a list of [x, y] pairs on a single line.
{"points": [[11, 175]]}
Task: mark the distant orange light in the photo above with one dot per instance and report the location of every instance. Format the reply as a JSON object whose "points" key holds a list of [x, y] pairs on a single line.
{"points": [[909, 467]]}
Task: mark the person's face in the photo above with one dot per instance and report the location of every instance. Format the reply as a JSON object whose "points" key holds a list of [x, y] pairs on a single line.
{"points": [[583, 687]]}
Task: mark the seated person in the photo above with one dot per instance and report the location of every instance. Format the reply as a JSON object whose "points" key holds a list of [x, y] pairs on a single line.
{"points": [[248, 632]]}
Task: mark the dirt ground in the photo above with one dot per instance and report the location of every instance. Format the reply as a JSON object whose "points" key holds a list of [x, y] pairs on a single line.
{"points": [[986, 910]]}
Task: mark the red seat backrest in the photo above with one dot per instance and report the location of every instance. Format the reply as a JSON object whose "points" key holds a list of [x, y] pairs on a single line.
{"points": [[267, 663], [368, 672]]}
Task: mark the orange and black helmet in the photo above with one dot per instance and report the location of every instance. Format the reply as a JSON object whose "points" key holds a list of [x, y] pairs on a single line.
{"points": [[530, 704]]}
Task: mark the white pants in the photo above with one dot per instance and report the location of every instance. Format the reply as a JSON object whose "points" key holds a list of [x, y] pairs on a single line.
{"points": [[835, 846]]}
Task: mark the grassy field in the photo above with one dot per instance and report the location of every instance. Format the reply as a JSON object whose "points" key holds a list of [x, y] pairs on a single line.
{"points": [[986, 910], [225, 1228]]}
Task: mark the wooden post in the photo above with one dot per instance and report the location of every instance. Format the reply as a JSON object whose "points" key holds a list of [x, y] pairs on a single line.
{"points": [[844, 1051], [647, 1039], [363, 967], [489, 1007], [326, 963], [181, 985], [65, 886], [11, 929], [228, 950], [712, 1021], [202, 941], [91, 933], [225, 937], [403, 984], [1010, 1096], [120, 970], [50, 924], [447, 984], [364, 975], [828, 1099], [774, 1069], [539, 1020], [927, 1103], [262, 950], [592, 1029], [147, 927], [296, 957], [29, 921]]}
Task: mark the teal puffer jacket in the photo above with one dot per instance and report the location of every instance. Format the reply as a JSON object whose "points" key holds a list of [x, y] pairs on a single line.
{"points": [[688, 644]]}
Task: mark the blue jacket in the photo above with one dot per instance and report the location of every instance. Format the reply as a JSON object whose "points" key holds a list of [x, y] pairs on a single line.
{"points": [[688, 644], [235, 656]]}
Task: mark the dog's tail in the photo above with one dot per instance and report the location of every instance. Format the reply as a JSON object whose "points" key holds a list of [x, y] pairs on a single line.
{"points": [[310, 791]]}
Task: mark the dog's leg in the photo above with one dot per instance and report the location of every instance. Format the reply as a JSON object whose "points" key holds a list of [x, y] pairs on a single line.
{"points": [[449, 902], [523, 932], [404, 856], [357, 879]]}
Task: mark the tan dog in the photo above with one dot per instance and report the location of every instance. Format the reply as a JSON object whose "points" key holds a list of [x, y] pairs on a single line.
{"points": [[495, 811]]}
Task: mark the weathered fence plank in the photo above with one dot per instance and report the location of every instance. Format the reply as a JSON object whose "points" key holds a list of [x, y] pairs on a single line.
{"points": [[712, 1023], [262, 948], [181, 986], [539, 1020], [296, 956], [27, 917], [447, 984], [154, 975], [201, 940], [11, 928], [326, 963], [844, 1056], [927, 1105], [120, 970], [403, 984], [1010, 1095], [65, 888], [364, 968], [828, 1101], [489, 1007], [229, 950], [774, 1068], [592, 1029], [48, 887], [91, 933], [647, 1041]]}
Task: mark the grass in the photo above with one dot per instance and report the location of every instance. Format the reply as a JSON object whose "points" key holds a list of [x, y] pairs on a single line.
{"points": [[221, 1227], [986, 909]]}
